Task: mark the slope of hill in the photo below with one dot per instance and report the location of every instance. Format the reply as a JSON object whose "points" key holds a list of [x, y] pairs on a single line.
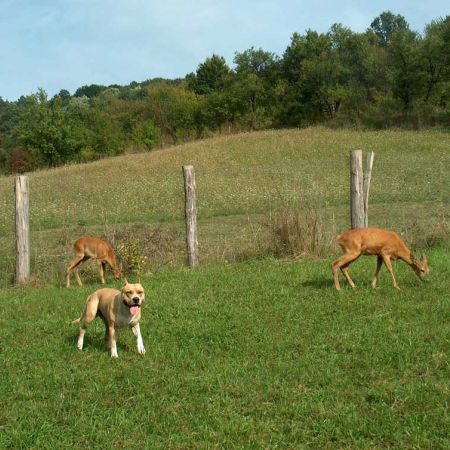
{"points": [[241, 181]]}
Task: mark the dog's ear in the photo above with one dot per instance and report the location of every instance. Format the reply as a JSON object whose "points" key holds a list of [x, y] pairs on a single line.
{"points": [[125, 280]]}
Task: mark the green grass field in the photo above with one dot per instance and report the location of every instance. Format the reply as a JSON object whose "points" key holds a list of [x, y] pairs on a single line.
{"points": [[261, 354], [245, 351]]}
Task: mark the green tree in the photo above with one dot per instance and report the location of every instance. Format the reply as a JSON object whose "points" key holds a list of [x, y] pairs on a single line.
{"points": [[360, 72], [406, 67], [211, 75], [435, 50], [312, 71], [254, 83], [385, 25], [173, 109], [43, 130], [90, 91], [145, 134], [216, 110], [104, 136], [64, 96]]}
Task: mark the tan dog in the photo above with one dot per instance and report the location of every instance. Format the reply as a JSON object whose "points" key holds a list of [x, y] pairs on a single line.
{"points": [[117, 309]]}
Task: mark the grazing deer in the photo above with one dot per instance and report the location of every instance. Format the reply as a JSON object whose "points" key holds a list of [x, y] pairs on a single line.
{"points": [[91, 247], [387, 245]]}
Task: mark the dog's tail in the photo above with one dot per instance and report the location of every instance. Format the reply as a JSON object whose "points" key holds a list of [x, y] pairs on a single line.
{"points": [[76, 321]]}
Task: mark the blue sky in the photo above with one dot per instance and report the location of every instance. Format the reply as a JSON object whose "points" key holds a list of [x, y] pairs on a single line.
{"points": [[65, 44]]}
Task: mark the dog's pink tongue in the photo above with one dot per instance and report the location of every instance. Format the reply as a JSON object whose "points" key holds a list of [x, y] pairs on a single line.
{"points": [[134, 310]]}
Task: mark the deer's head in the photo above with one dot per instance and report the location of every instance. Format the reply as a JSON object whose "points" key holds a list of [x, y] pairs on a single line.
{"points": [[420, 266], [117, 272]]}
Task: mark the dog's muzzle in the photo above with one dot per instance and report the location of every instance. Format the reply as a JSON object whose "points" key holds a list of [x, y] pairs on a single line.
{"points": [[134, 307]]}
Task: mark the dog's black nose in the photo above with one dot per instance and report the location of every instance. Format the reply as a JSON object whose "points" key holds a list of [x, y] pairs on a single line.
{"points": [[136, 300]]}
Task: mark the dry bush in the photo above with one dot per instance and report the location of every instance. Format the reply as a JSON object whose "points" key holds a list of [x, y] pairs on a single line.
{"points": [[141, 248], [298, 233], [20, 160]]}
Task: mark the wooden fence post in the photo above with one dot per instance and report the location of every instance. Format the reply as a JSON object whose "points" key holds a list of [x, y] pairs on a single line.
{"points": [[22, 230], [366, 187], [191, 215], [356, 189]]}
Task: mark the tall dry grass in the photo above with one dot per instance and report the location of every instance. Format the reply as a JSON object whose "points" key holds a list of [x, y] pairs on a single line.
{"points": [[300, 233]]}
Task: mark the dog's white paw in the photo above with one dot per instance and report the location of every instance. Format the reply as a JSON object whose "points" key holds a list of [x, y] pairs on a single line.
{"points": [[141, 349], [114, 353]]}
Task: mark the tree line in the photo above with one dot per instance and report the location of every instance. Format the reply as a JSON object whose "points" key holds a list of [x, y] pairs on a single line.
{"points": [[387, 76]]}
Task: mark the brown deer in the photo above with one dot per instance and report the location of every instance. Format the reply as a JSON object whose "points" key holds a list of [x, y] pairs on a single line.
{"points": [[387, 245], [91, 247]]}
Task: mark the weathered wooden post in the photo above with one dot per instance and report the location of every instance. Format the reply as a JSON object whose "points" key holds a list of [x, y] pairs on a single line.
{"points": [[22, 230], [191, 215], [366, 187], [356, 189]]}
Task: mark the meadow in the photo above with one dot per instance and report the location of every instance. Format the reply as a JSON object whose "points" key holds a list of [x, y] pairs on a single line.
{"points": [[260, 354], [242, 181], [247, 350]]}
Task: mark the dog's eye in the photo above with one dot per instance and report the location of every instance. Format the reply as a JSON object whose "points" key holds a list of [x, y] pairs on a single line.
{"points": [[139, 292], [128, 292]]}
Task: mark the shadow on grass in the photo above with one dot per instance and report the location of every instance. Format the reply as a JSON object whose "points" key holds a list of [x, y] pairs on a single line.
{"points": [[318, 283], [95, 340], [328, 283], [92, 284]]}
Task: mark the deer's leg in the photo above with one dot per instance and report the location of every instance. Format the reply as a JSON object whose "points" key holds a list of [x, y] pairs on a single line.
{"points": [[388, 264], [104, 268], [375, 278], [77, 277], [342, 263], [72, 266], [140, 343], [101, 269], [75, 270], [335, 270], [344, 270]]}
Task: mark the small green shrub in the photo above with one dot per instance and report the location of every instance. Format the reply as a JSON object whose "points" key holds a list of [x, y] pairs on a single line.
{"points": [[141, 248], [131, 257]]}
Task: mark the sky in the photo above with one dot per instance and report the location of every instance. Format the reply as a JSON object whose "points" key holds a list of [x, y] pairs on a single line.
{"points": [[65, 44]]}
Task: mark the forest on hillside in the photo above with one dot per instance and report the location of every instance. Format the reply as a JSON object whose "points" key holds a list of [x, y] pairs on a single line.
{"points": [[388, 76]]}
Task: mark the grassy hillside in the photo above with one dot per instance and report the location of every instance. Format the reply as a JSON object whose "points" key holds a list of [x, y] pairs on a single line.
{"points": [[260, 354], [241, 181]]}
